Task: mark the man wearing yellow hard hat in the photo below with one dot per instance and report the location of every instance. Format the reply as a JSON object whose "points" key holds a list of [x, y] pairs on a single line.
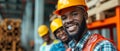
{"points": [[74, 14], [43, 32], [58, 31]]}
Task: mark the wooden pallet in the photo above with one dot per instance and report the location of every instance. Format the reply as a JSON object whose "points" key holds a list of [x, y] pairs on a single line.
{"points": [[101, 9], [10, 36]]}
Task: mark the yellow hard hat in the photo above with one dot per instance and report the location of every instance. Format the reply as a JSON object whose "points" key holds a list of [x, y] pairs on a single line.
{"points": [[69, 3], [55, 24], [42, 30]]}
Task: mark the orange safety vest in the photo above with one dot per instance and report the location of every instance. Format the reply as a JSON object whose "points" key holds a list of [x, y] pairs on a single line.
{"points": [[91, 42]]}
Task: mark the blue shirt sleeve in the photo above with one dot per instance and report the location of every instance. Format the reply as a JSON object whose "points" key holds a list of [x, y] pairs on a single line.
{"points": [[58, 47]]}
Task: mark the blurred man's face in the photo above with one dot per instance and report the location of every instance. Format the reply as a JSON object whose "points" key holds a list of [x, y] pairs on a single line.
{"points": [[73, 19], [46, 37], [61, 34]]}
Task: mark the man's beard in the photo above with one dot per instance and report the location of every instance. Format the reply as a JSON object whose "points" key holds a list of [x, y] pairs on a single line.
{"points": [[80, 33]]}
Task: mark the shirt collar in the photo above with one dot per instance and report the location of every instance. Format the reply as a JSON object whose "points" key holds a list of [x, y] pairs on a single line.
{"points": [[81, 42]]}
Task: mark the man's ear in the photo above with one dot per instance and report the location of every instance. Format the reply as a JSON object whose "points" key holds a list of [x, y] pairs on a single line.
{"points": [[86, 15], [84, 11]]}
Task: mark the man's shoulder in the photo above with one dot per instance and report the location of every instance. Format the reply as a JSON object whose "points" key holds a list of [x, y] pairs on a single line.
{"points": [[58, 46], [101, 42], [56, 41], [44, 44], [42, 47], [105, 42]]}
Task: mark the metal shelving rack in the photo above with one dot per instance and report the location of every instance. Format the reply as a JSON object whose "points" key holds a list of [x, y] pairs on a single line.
{"points": [[108, 22], [97, 10]]}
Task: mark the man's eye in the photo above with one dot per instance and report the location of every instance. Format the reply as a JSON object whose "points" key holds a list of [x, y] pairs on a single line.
{"points": [[63, 17], [74, 14]]}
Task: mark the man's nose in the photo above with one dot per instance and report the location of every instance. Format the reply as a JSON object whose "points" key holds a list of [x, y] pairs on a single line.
{"points": [[69, 20]]}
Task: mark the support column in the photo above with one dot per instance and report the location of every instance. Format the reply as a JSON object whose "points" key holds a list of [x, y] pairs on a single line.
{"points": [[39, 18], [0, 16], [118, 25], [27, 26]]}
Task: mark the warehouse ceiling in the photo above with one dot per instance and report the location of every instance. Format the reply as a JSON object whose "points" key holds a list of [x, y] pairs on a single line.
{"points": [[12, 8], [49, 8], [50, 1], [15, 8]]}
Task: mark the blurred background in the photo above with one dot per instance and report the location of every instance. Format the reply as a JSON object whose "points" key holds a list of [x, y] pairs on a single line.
{"points": [[19, 21]]}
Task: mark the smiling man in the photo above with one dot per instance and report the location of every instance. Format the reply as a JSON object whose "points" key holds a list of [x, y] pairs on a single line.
{"points": [[58, 31], [43, 32], [74, 22], [74, 15]]}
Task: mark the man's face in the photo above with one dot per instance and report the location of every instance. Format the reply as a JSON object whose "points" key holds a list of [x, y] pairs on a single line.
{"points": [[72, 19], [46, 37], [61, 34]]}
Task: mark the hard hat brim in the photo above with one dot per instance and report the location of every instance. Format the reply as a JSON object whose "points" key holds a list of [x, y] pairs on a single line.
{"points": [[57, 12]]}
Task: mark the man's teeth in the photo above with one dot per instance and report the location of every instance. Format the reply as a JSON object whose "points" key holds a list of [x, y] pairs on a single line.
{"points": [[71, 28], [63, 37]]}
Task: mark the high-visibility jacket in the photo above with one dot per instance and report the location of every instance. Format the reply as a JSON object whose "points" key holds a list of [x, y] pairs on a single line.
{"points": [[91, 42]]}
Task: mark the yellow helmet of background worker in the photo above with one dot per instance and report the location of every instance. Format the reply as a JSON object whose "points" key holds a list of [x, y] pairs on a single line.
{"points": [[42, 30], [69, 3], [55, 24]]}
